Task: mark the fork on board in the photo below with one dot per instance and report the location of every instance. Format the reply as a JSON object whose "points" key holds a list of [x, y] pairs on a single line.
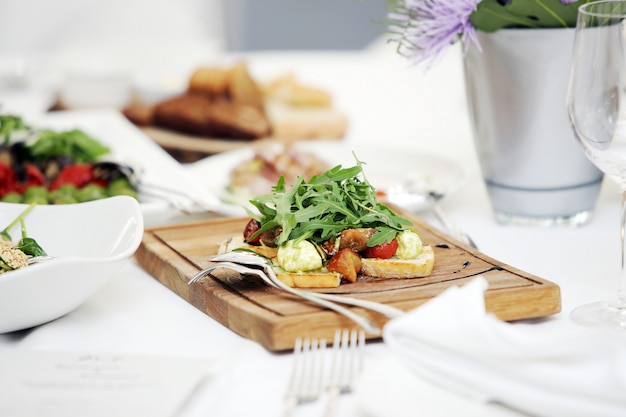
{"points": [[346, 365], [255, 260], [271, 280], [306, 383]]}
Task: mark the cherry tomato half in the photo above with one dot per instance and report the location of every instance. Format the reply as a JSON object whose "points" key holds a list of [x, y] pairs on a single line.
{"points": [[383, 251], [249, 230], [8, 179], [34, 175], [77, 175]]}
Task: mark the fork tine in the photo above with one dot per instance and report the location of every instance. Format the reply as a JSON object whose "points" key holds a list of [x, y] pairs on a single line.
{"points": [[241, 257], [307, 375], [346, 365], [199, 276], [242, 269], [291, 399], [206, 271], [313, 371]]}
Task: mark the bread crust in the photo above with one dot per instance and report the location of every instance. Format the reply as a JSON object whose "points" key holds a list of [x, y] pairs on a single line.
{"points": [[211, 81], [243, 89], [237, 120], [185, 113], [309, 279], [422, 266]]}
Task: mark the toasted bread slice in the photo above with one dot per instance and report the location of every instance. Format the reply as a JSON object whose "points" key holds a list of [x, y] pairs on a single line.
{"points": [[290, 123], [237, 120], [243, 89], [186, 113], [211, 81], [313, 279], [288, 90], [421, 266]]}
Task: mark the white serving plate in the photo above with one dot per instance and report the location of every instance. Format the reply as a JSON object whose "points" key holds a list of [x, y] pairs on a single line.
{"points": [[384, 167], [90, 241], [129, 144]]}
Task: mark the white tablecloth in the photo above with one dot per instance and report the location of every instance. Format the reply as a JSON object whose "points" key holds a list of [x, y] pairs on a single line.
{"points": [[386, 102]]}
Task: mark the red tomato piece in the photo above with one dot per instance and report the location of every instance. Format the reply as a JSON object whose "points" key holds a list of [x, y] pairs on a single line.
{"points": [[101, 182], [383, 251], [347, 263], [249, 230], [77, 175], [8, 179], [34, 175]]}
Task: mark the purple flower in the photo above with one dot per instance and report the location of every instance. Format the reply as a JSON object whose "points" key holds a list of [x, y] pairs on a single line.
{"points": [[568, 1], [424, 28]]}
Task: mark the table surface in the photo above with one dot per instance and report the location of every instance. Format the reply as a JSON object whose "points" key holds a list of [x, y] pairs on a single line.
{"points": [[387, 102]]}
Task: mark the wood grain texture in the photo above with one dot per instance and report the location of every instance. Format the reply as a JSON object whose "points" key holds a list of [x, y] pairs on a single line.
{"points": [[173, 254]]}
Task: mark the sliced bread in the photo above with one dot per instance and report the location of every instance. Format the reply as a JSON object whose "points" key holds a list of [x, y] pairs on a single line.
{"points": [[421, 266]]}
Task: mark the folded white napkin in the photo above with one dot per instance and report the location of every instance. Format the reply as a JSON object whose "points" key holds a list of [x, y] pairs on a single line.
{"points": [[387, 387], [553, 368]]}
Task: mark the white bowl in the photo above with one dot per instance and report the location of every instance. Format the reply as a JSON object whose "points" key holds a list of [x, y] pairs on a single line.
{"points": [[90, 241]]}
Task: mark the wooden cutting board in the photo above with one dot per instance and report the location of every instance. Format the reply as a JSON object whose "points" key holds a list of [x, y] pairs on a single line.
{"points": [[173, 254]]}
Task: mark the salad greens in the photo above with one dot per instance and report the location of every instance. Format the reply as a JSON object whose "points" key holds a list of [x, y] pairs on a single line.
{"points": [[55, 167], [27, 244], [74, 143], [325, 205], [10, 126]]}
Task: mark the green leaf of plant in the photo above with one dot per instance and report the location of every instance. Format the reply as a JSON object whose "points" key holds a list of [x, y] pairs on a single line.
{"points": [[491, 15], [385, 234], [30, 247], [9, 125], [75, 144]]}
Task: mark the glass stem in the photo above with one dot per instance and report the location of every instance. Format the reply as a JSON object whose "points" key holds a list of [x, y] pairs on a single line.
{"points": [[620, 301]]}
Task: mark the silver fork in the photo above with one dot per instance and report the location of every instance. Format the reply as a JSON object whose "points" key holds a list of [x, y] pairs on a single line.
{"points": [[271, 280], [307, 376], [183, 201], [346, 365], [254, 260]]}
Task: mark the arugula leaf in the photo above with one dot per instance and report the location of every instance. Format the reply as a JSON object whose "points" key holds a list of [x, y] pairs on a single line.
{"points": [[323, 206], [75, 144]]}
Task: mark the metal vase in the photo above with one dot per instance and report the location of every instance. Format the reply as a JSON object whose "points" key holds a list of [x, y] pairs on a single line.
{"points": [[534, 169]]}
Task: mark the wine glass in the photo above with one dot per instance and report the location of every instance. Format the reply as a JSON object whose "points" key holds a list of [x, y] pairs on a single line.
{"points": [[596, 102]]}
